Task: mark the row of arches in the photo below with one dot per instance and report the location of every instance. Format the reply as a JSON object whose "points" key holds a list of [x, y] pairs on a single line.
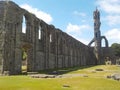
{"points": [[54, 48]]}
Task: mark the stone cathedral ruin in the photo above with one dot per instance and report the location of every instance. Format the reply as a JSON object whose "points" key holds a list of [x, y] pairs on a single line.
{"points": [[46, 47]]}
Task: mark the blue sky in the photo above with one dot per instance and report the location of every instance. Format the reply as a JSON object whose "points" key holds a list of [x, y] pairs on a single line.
{"points": [[76, 16]]}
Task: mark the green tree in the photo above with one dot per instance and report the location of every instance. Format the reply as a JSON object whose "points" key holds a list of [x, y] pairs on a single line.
{"points": [[24, 54], [116, 48]]}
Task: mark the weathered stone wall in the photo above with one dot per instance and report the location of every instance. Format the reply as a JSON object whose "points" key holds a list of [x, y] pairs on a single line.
{"points": [[54, 48], [108, 53]]}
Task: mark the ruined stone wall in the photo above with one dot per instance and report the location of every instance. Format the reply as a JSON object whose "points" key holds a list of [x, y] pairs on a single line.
{"points": [[47, 47], [108, 53]]}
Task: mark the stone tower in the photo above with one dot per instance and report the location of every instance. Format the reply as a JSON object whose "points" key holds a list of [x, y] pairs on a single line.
{"points": [[97, 37], [97, 34]]}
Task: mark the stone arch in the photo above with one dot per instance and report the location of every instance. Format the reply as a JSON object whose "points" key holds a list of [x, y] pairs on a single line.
{"points": [[26, 62], [93, 40], [24, 22], [40, 38], [41, 28], [52, 40], [26, 44], [29, 22], [39, 33], [103, 44], [106, 41]]}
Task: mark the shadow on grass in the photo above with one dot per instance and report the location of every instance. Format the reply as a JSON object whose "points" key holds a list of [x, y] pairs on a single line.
{"points": [[61, 71]]}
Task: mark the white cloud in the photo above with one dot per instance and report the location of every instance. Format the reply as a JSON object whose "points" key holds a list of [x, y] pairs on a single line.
{"points": [[79, 13], [71, 28], [113, 19], [113, 35], [111, 7], [85, 41], [40, 14], [77, 30]]}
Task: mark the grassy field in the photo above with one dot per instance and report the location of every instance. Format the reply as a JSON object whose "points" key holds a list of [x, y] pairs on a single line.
{"points": [[95, 80]]}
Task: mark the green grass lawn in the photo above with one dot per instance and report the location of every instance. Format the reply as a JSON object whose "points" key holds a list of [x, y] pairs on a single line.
{"points": [[94, 81]]}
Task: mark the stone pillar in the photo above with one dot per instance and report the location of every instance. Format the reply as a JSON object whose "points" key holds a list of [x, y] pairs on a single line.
{"points": [[2, 41], [8, 63], [45, 44], [56, 49], [47, 41], [33, 48], [30, 62], [18, 50], [64, 49]]}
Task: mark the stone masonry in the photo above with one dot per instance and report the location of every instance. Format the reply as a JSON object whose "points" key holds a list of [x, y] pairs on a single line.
{"points": [[47, 47], [97, 37]]}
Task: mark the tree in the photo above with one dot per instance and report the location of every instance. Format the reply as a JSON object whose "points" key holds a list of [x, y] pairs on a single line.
{"points": [[24, 53], [116, 48]]}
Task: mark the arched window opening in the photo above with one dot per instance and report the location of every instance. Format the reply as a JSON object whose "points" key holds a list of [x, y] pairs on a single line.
{"points": [[103, 44], [24, 25], [39, 33], [50, 38]]}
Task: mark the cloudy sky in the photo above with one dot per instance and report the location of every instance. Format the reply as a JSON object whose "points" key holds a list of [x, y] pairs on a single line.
{"points": [[76, 16]]}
